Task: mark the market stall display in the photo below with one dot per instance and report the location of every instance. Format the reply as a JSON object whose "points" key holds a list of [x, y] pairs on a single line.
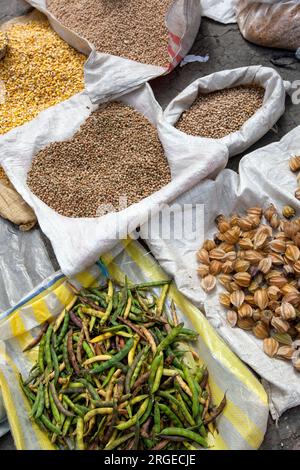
{"points": [[114, 353], [114, 357], [242, 423]]}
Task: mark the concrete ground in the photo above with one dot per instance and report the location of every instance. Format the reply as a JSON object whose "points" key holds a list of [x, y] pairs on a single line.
{"points": [[227, 49]]}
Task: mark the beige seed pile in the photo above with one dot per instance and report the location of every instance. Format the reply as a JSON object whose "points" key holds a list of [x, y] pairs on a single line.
{"points": [[135, 29], [220, 113], [116, 153], [38, 71], [256, 258]]}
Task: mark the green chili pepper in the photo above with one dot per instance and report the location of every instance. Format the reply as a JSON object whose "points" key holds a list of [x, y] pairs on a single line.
{"points": [[48, 347], [79, 434], [110, 303], [146, 285], [154, 366], [189, 435], [158, 375], [139, 366], [92, 391], [195, 397], [131, 371], [114, 444], [55, 364], [185, 410], [46, 397], [66, 425], [64, 328], [36, 401], [162, 299], [117, 358], [169, 338], [156, 419], [46, 422], [133, 420], [109, 376], [166, 410], [41, 354], [54, 409], [88, 350], [76, 408], [66, 355]]}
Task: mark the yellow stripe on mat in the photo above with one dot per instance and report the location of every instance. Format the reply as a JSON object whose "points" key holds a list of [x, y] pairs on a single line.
{"points": [[64, 294], [226, 357], [17, 326], [41, 311], [239, 420], [85, 279]]}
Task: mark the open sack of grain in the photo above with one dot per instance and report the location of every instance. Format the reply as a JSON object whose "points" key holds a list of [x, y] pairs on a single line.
{"points": [[264, 178], [106, 169], [130, 42], [38, 70], [236, 107], [270, 23], [243, 421]]}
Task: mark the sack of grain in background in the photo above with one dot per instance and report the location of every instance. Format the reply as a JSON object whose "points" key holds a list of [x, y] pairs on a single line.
{"points": [[34, 62], [130, 42], [270, 23], [235, 107], [70, 198]]}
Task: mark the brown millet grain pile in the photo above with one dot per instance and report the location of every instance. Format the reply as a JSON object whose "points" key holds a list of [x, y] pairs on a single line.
{"points": [[116, 152], [135, 29], [220, 113]]}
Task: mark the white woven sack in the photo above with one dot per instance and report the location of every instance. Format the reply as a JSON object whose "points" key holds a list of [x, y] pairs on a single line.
{"points": [[108, 76], [253, 129]]}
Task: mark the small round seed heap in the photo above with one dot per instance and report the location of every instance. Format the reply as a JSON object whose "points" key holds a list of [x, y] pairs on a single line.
{"points": [[256, 258], [220, 113], [135, 29], [116, 153], [38, 71]]}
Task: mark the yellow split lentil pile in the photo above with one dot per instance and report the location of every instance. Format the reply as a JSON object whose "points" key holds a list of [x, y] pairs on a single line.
{"points": [[38, 71]]}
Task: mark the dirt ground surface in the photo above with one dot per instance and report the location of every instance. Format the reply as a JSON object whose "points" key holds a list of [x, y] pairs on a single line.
{"points": [[226, 49]]}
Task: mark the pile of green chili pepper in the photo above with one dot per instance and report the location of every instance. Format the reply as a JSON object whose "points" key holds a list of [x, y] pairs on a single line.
{"points": [[112, 374]]}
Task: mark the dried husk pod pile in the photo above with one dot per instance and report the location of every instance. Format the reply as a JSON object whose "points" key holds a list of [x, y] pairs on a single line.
{"points": [[295, 167], [256, 258]]}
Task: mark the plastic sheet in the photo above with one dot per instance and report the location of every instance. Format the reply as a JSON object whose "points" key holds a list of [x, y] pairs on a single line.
{"points": [[264, 177], [241, 426], [24, 263]]}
